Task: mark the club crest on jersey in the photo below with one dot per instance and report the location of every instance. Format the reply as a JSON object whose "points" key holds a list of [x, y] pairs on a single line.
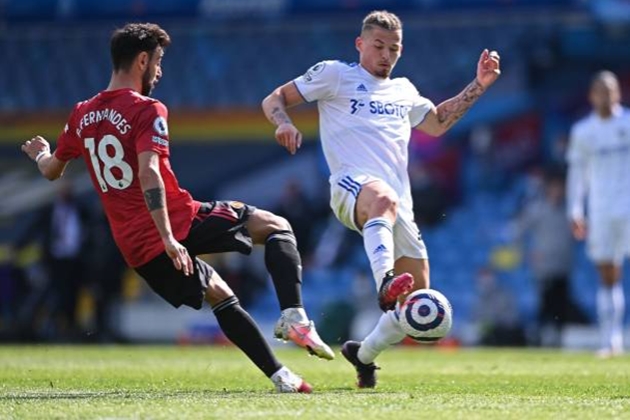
{"points": [[314, 71], [160, 126], [236, 205]]}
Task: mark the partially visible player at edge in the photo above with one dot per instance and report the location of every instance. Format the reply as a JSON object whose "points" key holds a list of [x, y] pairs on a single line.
{"points": [[123, 136], [599, 180], [365, 125]]}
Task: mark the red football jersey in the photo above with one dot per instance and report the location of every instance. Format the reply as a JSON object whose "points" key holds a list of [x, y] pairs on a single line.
{"points": [[110, 130]]}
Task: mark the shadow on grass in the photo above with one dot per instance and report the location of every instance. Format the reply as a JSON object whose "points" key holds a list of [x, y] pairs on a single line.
{"points": [[156, 394], [139, 394]]}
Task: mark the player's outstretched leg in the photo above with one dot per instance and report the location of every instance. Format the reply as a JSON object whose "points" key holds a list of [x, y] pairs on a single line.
{"points": [[610, 308], [362, 355], [366, 372], [392, 287], [285, 267], [378, 241], [241, 330]]}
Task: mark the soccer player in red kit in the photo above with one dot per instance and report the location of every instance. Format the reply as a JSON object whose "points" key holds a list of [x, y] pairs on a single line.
{"points": [[160, 229]]}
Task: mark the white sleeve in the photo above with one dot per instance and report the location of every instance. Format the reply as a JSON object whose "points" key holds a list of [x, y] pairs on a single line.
{"points": [[576, 179], [320, 82], [420, 106]]}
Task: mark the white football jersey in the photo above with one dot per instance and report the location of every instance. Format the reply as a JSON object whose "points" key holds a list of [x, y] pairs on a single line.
{"points": [[364, 122], [599, 166]]}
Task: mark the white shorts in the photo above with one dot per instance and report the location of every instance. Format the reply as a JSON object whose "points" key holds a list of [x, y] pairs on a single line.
{"points": [[344, 190], [608, 239]]}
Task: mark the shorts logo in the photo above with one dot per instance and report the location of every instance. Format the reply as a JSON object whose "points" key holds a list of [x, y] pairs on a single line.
{"points": [[160, 126], [380, 248], [237, 205]]}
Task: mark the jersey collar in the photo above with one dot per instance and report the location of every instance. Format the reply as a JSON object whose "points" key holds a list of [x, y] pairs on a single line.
{"points": [[617, 111], [371, 76]]}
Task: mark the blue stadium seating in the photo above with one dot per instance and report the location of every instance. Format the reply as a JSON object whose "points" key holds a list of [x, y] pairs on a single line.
{"points": [[51, 67]]}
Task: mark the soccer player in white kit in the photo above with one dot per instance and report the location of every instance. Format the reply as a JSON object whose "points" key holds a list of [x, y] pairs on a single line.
{"points": [[599, 199], [365, 126]]}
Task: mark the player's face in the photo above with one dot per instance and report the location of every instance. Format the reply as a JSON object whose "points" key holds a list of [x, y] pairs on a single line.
{"points": [[153, 72], [605, 95], [379, 50]]}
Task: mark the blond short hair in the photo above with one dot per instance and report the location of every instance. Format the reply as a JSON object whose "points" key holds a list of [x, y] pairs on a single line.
{"points": [[381, 19], [605, 76]]}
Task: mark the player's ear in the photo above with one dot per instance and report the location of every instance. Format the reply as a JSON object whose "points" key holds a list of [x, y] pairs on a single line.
{"points": [[358, 43], [143, 60]]}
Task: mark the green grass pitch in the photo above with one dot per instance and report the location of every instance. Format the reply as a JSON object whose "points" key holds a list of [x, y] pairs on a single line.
{"points": [[198, 382]]}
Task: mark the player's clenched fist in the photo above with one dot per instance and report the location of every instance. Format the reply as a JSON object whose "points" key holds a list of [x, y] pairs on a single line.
{"points": [[289, 137], [36, 147], [488, 68]]}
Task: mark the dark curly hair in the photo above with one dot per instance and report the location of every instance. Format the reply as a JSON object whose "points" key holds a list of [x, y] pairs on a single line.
{"points": [[132, 39]]}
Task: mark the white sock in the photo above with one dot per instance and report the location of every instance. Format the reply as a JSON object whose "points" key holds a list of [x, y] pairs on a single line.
{"points": [[285, 380], [386, 333], [297, 315], [604, 313], [610, 310], [618, 310], [378, 240], [282, 372]]}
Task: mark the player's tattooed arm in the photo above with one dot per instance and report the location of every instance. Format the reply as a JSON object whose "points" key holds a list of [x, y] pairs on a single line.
{"points": [[452, 110], [275, 108], [279, 116], [439, 119], [275, 105], [154, 197], [444, 116]]}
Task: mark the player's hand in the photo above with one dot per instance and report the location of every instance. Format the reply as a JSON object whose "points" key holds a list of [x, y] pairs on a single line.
{"points": [[179, 255], [35, 146], [578, 227], [289, 137], [488, 68]]}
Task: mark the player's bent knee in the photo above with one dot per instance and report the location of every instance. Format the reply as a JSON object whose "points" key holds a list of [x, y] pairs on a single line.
{"points": [[279, 223], [218, 290], [384, 204], [263, 223]]}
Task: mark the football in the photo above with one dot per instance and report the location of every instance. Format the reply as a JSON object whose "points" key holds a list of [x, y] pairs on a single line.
{"points": [[426, 315]]}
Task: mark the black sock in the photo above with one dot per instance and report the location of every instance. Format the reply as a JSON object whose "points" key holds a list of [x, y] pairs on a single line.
{"points": [[285, 267], [241, 330]]}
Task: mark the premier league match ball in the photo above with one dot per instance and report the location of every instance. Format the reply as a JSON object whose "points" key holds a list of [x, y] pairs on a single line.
{"points": [[426, 315]]}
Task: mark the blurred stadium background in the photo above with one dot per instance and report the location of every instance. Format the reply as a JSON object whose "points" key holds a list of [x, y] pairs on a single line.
{"points": [[471, 187]]}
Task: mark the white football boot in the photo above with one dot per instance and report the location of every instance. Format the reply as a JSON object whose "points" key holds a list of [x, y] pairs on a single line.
{"points": [[286, 381], [304, 334]]}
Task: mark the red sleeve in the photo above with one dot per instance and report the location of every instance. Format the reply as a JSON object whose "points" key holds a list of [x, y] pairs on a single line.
{"points": [[68, 144], [152, 130]]}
